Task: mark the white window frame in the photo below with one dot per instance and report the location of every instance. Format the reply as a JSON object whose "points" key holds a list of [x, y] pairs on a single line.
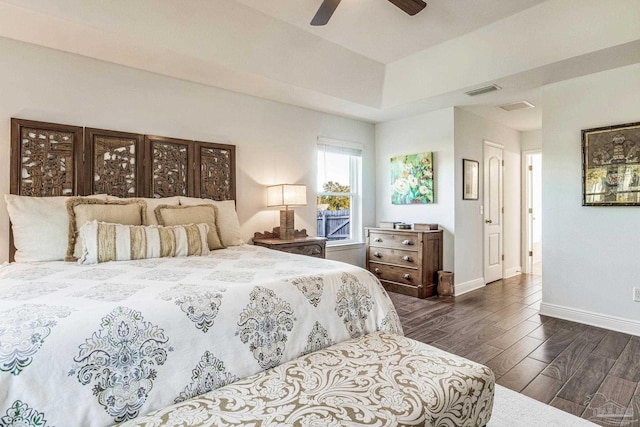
{"points": [[355, 186]]}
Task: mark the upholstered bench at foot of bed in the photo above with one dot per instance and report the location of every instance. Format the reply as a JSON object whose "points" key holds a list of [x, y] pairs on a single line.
{"points": [[377, 380]]}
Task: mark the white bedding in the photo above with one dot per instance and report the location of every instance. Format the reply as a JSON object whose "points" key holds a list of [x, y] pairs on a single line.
{"points": [[93, 345]]}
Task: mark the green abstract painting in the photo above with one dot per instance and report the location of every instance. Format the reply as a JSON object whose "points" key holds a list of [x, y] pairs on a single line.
{"points": [[412, 179]]}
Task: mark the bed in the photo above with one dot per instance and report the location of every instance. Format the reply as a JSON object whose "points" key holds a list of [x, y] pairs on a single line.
{"points": [[95, 345]]}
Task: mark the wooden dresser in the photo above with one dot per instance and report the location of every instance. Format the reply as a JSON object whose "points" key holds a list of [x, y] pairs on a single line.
{"points": [[405, 261]]}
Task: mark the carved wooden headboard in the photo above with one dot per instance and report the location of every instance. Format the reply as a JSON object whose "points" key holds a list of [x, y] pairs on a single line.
{"points": [[49, 159]]}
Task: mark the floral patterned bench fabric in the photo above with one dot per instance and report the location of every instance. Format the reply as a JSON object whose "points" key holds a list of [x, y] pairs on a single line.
{"points": [[377, 380], [95, 345]]}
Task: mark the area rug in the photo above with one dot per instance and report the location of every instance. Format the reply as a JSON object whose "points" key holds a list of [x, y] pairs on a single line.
{"points": [[511, 409]]}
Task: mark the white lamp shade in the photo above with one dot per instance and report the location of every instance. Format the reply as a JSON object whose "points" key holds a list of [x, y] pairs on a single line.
{"points": [[287, 195]]}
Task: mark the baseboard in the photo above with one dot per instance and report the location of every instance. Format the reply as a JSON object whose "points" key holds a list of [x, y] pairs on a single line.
{"points": [[590, 318], [510, 272], [471, 285]]}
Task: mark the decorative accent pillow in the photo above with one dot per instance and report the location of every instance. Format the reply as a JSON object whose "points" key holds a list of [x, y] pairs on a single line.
{"points": [[226, 219], [181, 215], [152, 204], [82, 210], [103, 242], [40, 226]]}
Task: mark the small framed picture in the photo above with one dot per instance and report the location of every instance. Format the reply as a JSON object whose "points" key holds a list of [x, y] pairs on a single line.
{"points": [[470, 178]]}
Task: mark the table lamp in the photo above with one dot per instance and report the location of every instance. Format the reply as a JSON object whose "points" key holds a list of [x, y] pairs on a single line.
{"points": [[286, 195]]}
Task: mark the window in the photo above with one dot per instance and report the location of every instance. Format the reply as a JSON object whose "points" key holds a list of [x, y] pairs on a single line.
{"points": [[339, 188]]}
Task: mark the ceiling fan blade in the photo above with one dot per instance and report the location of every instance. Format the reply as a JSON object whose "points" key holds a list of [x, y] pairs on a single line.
{"points": [[411, 7], [324, 13]]}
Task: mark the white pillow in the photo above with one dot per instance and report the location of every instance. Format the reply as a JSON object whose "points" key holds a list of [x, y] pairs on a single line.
{"points": [[152, 204], [104, 242], [40, 226], [226, 218]]}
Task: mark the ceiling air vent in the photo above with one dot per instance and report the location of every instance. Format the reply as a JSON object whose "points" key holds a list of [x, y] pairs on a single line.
{"points": [[521, 105], [483, 90]]}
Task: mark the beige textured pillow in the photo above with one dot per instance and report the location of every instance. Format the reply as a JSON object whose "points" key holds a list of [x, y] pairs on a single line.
{"points": [[81, 211], [226, 220], [181, 215], [103, 242]]}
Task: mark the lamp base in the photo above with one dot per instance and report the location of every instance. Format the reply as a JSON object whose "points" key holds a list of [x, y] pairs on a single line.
{"points": [[286, 225]]}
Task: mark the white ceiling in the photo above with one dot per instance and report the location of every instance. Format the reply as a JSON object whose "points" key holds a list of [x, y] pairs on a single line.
{"points": [[380, 31], [371, 62]]}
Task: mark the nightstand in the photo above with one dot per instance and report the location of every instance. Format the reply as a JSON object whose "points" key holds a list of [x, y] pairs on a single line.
{"points": [[301, 243]]}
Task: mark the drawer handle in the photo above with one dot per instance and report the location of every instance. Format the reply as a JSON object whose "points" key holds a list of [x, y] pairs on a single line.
{"points": [[407, 258], [377, 271], [406, 277], [378, 240], [407, 242], [377, 254]]}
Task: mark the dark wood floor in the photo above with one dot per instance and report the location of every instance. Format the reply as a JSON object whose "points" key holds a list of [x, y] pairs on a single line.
{"points": [[589, 372]]}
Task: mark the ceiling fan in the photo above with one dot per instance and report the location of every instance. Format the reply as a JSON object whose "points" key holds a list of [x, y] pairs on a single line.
{"points": [[327, 8]]}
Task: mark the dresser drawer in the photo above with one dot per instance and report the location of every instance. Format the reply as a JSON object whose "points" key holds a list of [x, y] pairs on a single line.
{"points": [[393, 256], [310, 246], [406, 241], [408, 276], [314, 250]]}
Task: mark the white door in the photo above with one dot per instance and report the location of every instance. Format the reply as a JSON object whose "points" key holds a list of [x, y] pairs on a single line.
{"points": [[493, 252], [534, 213]]}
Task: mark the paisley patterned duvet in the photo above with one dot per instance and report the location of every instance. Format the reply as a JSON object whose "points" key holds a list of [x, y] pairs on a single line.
{"points": [[98, 345]]}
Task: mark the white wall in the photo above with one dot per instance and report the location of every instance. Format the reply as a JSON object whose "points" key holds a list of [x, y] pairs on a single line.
{"points": [[275, 142], [418, 134], [590, 254], [470, 132], [531, 140]]}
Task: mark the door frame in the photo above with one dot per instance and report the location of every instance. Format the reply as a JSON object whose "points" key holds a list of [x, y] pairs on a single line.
{"points": [[526, 228], [485, 143]]}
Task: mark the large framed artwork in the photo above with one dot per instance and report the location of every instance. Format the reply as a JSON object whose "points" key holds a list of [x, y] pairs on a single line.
{"points": [[412, 179], [611, 165]]}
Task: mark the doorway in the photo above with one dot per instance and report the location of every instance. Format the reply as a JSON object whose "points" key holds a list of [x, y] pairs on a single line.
{"points": [[533, 212], [493, 212]]}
